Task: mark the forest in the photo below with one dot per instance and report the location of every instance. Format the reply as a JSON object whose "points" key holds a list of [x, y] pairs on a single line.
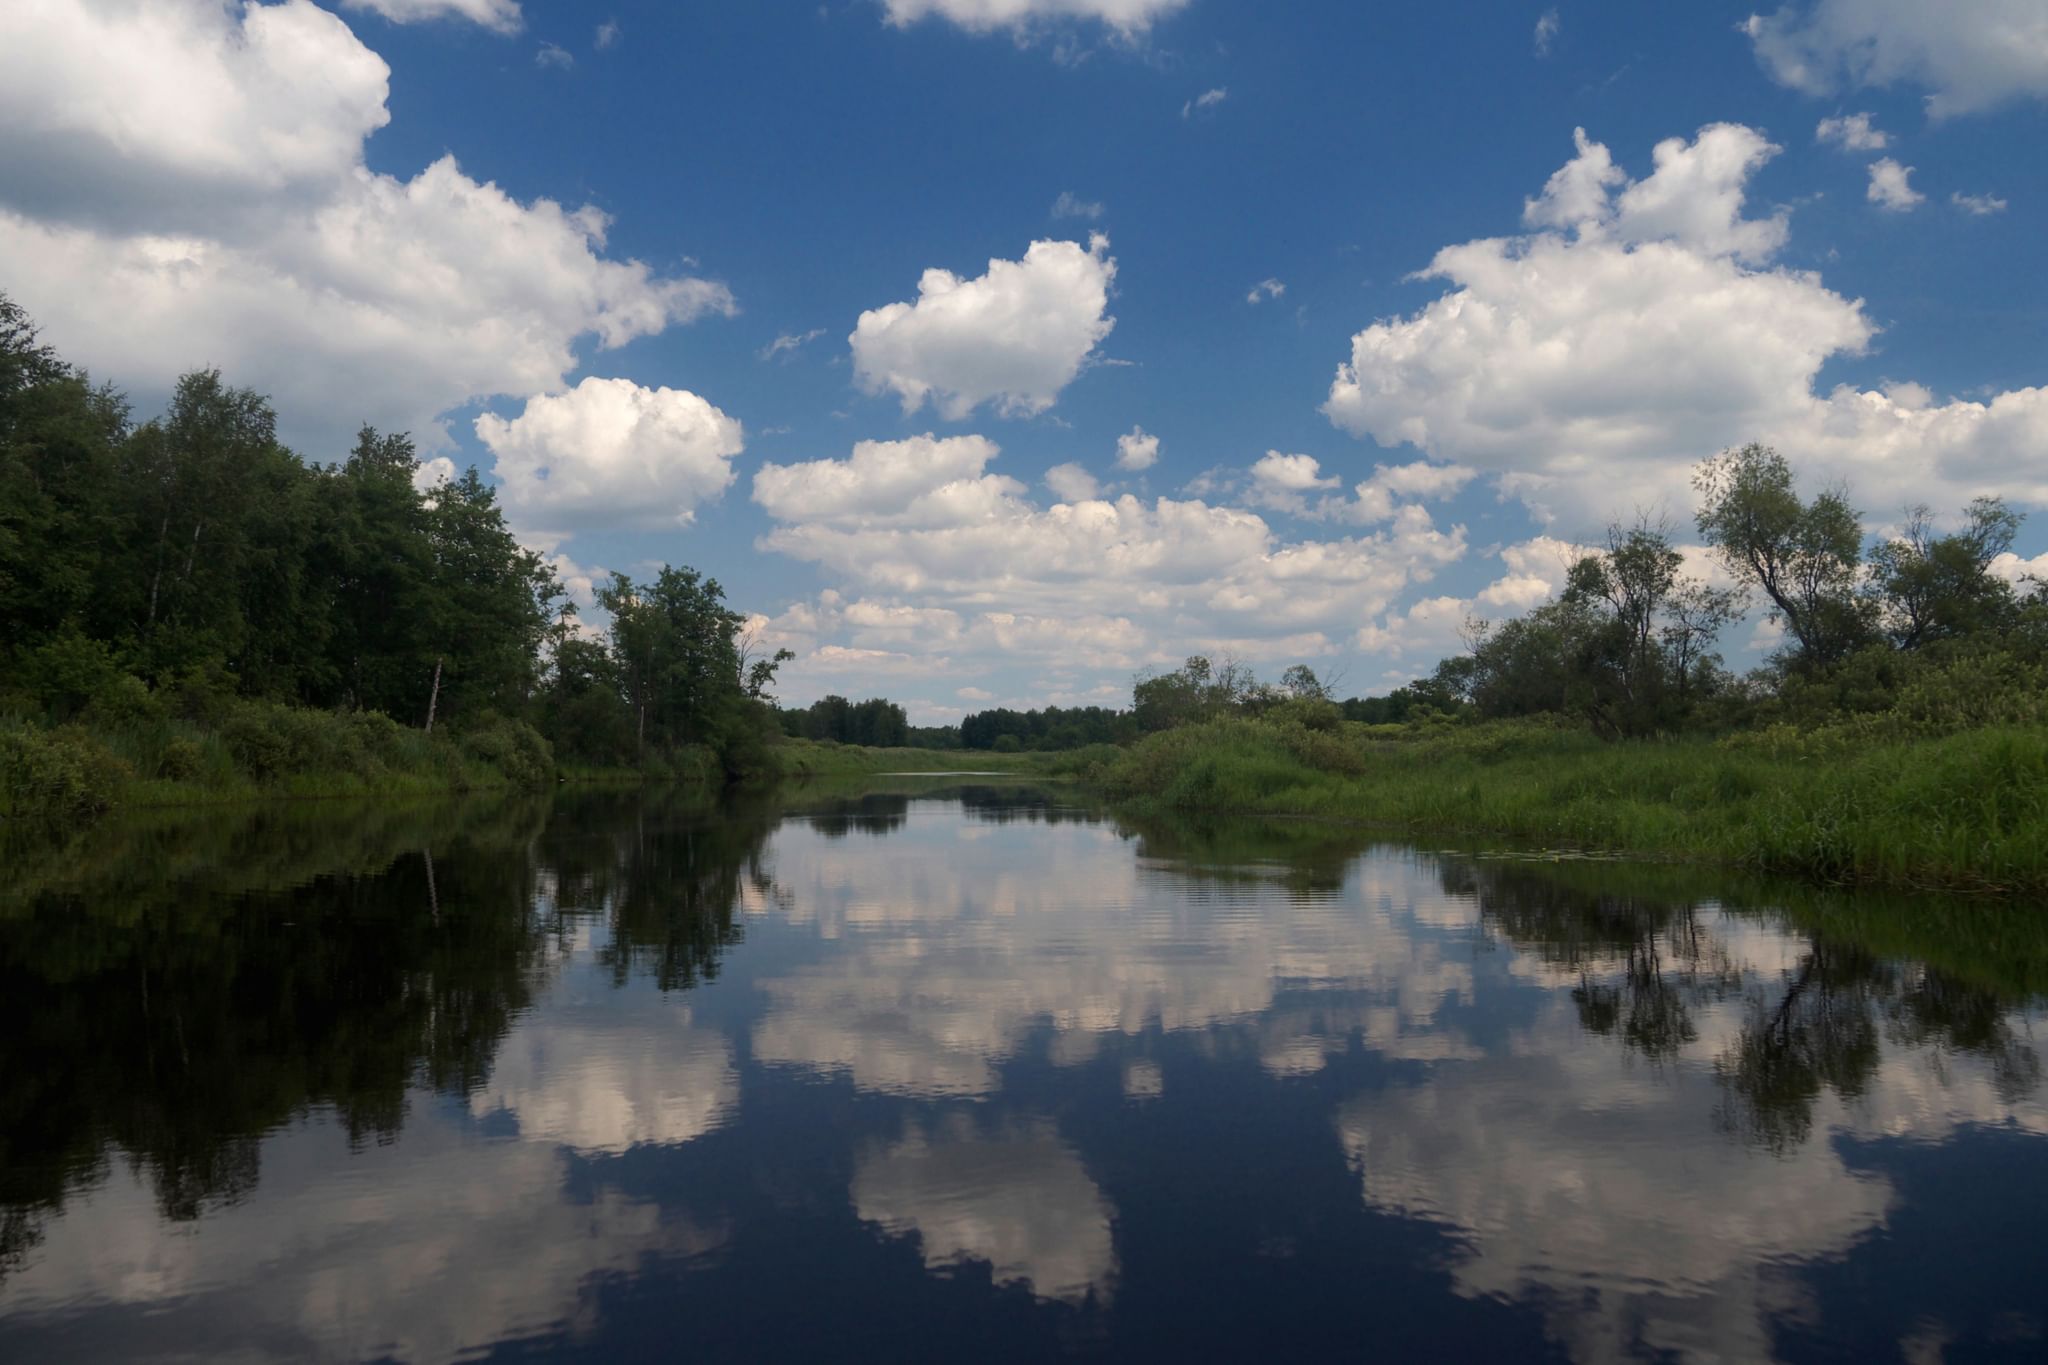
{"points": [[187, 606]]}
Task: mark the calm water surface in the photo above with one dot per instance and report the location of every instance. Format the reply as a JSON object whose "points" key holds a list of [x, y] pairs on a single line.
{"points": [[963, 1070]]}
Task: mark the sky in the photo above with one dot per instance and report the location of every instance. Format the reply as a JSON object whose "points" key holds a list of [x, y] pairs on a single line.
{"points": [[992, 352]]}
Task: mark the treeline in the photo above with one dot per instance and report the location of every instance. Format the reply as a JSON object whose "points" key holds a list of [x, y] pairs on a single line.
{"points": [[1006, 731], [875, 722], [1630, 646], [176, 586]]}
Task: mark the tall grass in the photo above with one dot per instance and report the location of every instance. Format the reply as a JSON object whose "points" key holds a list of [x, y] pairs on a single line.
{"points": [[143, 756], [1967, 809]]}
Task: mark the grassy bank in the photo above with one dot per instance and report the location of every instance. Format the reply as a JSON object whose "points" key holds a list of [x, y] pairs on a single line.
{"points": [[803, 758], [1964, 810], [252, 751]]}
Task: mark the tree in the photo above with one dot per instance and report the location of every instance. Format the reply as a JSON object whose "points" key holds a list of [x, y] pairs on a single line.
{"points": [[1803, 555], [1933, 587]]}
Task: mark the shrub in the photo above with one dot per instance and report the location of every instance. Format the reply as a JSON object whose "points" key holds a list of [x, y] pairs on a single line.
{"points": [[56, 774], [180, 761], [512, 749]]}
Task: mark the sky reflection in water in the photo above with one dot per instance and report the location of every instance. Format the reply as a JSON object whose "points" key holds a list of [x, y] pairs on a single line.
{"points": [[962, 1070]]}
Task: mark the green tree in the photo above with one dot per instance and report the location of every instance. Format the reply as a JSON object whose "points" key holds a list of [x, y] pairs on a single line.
{"points": [[1932, 587], [1804, 556]]}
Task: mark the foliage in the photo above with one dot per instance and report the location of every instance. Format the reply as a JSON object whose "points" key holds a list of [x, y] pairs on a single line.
{"points": [[1803, 556], [292, 621], [55, 774], [876, 722]]}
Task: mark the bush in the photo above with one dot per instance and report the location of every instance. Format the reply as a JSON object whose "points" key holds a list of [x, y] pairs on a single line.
{"points": [[56, 774], [1007, 744], [180, 761], [513, 750]]}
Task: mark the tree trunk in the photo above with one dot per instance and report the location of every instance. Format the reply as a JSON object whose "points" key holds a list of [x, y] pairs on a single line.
{"points": [[434, 697]]}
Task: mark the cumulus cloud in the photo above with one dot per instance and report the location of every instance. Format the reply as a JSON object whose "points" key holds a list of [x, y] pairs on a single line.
{"points": [[1013, 337], [1126, 17], [1265, 289], [607, 35], [1071, 483], [1979, 205], [1589, 365], [611, 453], [2021, 573], [1205, 101], [1136, 450], [183, 184], [1890, 188], [885, 482], [1283, 482], [501, 16], [940, 555], [1852, 133], [554, 55], [1968, 54], [1548, 26]]}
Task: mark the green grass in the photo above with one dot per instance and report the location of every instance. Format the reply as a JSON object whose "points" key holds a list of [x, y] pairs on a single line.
{"points": [[253, 751], [1966, 810], [809, 758]]}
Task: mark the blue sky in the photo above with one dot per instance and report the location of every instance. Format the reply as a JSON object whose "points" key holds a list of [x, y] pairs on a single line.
{"points": [[1236, 208]]}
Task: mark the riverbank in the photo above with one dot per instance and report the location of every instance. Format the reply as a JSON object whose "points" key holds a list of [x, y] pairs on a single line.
{"points": [[1963, 811], [261, 752], [804, 758], [255, 751]]}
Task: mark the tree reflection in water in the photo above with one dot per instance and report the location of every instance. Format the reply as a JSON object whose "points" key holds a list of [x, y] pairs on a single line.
{"points": [[1817, 1026], [166, 999]]}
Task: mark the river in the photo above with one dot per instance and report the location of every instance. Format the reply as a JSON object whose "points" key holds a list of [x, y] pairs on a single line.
{"points": [[966, 1068]]}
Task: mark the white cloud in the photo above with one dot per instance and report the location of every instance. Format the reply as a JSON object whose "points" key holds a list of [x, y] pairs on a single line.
{"points": [[1547, 27], [1014, 336], [1694, 197], [501, 16], [787, 344], [611, 453], [1589, 366], [1889, 188], [885, 482], [554, 55], [1070, 205], [1283, 482], [216, 210], [991, 577], [607, 35], [433, 473], [1852, 133], [1265, 289], [1969, 54], [1136, 450], [109, 112], [1071, 483], [2021, 572], [1126, 17], [1205, 101], [1980, 205]]}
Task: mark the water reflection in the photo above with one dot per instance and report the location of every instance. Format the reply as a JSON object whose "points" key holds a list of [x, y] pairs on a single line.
{"points": [[1012, 1075]]}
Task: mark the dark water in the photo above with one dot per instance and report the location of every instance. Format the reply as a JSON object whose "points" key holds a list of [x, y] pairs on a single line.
{"points": [[974, 1073]]}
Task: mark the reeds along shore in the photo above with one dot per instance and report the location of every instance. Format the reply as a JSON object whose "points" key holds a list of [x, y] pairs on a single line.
{"points": [[1966, 810]]}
